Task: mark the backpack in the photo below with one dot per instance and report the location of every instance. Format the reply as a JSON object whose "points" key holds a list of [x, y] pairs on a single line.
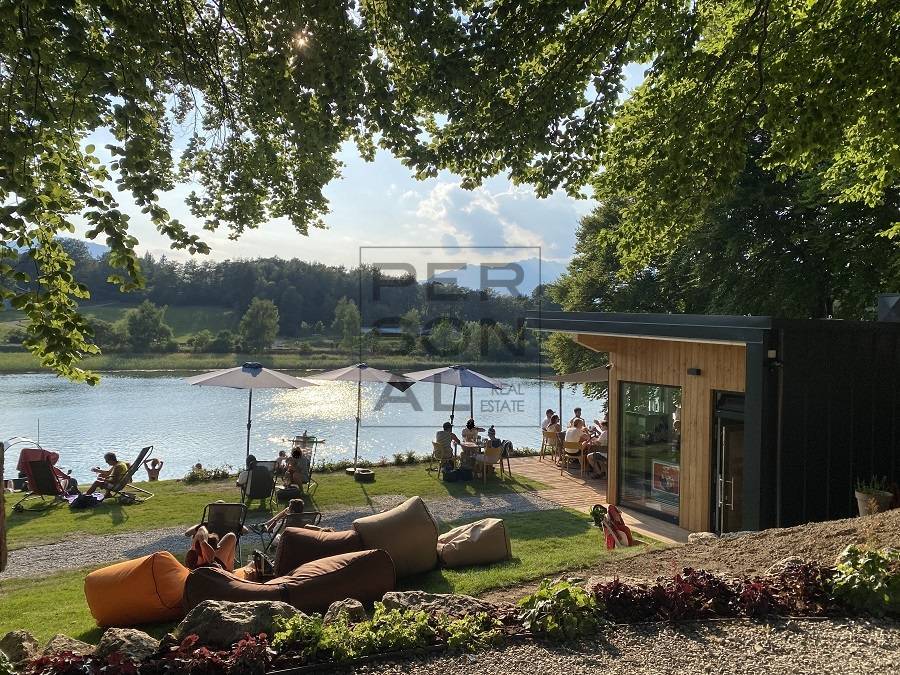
{"points": [[84, 502]]}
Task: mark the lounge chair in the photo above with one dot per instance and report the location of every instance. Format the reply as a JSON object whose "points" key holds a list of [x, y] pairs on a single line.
{"points": [[268, 535], [43, 482], [127, 492], [260, 485], [220, 518]]}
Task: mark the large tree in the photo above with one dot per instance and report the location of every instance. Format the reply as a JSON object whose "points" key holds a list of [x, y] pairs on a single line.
{"points": [[268, 92], [259, 325]]}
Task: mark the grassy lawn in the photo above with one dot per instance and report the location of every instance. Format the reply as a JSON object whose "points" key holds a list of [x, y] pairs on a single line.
{"points": [[176, 503], [543, 543]]}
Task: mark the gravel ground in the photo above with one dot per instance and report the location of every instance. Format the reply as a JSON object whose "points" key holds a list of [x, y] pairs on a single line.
{"points": [[794, 646], [82, 551]]}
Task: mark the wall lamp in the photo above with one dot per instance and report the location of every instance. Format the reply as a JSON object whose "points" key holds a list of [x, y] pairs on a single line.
{"points": [[693, 371]]}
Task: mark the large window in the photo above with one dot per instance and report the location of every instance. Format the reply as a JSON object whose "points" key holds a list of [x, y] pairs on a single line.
{"points": [[650, 448]]}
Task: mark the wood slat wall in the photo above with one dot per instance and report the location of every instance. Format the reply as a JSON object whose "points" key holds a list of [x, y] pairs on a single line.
{"points": [[665, 362]]}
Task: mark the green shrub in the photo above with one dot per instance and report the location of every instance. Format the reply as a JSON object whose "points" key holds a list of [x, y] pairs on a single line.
{"points": [[399, 458], [200, 475], [869, 580], [471, 633], [300, 634], [560, 610], [411, 457]]}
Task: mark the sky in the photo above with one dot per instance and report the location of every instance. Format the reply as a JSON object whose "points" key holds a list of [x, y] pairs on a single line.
{"points": [[380, 203]]}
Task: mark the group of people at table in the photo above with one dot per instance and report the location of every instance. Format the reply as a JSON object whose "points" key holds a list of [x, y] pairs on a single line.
{"points": [[473, 450], [593, 440]]}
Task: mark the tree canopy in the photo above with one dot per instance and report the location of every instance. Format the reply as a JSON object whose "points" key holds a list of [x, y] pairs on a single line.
{"points": [[259, 325], [267, 92]]}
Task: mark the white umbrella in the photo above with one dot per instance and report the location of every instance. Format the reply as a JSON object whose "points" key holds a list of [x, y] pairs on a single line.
{"points": [[457, 376], [360, 373], [248, 376]]}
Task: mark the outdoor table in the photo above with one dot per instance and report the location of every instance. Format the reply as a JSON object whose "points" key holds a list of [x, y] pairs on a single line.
{"points": [[468, 452]]}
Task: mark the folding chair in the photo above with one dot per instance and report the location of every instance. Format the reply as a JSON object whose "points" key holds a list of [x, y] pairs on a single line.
{"points": [[43, 482], [260, 485], [289, 520], [220, 518], [126, 492]]}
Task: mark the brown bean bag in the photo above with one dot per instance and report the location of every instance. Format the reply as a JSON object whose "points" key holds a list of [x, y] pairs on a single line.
{"points": [[144, 590], [480, 543], [407, 532], [299, 545], [362, 575]]}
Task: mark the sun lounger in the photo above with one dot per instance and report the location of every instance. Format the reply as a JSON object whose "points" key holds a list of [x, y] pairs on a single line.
{"points": [[43, 482], [260, 485], [127, 492]]}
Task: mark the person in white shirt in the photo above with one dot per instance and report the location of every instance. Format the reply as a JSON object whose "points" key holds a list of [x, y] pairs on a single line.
{"points": [[597, 460], [548, 420], [577, 433], [577, 417]]}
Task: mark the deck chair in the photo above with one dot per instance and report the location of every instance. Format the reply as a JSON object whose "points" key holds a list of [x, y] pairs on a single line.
{"points": [[572, 450], [43, 482], [220, 518], [268, 535], [124, 490], [260, 485]]}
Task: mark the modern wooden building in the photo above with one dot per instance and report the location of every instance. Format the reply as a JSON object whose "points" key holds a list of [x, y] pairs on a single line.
{"points": [[730, 423]]}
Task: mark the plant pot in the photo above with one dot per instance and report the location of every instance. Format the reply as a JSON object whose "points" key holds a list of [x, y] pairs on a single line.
{"points": [[881, 498]]}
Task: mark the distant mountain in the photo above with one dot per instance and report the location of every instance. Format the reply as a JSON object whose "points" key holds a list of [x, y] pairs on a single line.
{"points": [[96, 250], [532, 270]]}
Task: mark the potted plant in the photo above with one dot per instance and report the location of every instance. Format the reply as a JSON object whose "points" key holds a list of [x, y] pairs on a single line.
{"points": [[872, 495]]}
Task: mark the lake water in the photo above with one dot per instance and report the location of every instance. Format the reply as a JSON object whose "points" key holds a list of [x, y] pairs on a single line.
{"points": [[188, 424]]}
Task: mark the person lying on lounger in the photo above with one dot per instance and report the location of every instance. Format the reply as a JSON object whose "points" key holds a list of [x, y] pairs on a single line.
{"points": [[108, 478], [209, 549]]}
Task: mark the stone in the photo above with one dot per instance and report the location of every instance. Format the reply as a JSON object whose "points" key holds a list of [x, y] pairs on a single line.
{"points": [[20, 647], [702, 538], [352, 608], [220, 624], [777, 568], [437, 603], [736, 535], [133, 644], [63, 643]]}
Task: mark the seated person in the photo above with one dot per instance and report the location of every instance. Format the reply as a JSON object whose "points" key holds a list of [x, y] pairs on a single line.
{"points": [[153, 467], [244, 475], [445, 440], [108, 478], [599, 444], [548, 420], [470, 433], [577, 432], [576, 417], [209, 549], [297, 469], [554, 425], [281, 463]]}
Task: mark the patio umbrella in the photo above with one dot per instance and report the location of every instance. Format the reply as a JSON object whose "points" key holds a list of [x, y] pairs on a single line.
{"points": [[248, 376], [457, 376], [600, 374], [360, 373]]}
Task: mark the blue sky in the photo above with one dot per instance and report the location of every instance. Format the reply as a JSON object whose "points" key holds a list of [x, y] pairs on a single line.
{"points": [[380, 203]]}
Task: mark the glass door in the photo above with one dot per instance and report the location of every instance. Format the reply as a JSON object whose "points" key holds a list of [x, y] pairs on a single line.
{"points": [[729, 462]]}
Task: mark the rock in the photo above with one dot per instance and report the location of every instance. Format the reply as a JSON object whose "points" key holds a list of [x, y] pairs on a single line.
{"points": [[20, 647], [133, 644], [736, 535], [221, 624], [352, 608], [702, 538], [63, 643], [438, 603], [777, 568]]}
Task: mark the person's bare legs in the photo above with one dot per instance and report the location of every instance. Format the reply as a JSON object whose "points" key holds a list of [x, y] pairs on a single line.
{"points": [[226, 550]]}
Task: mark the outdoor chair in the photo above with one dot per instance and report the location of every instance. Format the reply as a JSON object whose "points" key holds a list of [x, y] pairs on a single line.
{"points": [[260, 485], [43, 482], [268, 535], [549, 444], [127, 492], [440, 453], [220, 518], [309, 453], [572, 450], [491, 456]]}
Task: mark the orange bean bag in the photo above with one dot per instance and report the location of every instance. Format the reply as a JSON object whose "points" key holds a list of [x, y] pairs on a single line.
{"points": [[144, 590]]}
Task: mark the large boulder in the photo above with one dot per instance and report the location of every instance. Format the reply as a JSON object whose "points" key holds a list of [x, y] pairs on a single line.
{"points": [[63, 643], [20, 647], [219, 623], [353, 609], [437, 603], [133, 644]]}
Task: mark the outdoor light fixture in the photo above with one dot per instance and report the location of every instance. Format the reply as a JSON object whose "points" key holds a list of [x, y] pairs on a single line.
{"points": [[693, 371]]}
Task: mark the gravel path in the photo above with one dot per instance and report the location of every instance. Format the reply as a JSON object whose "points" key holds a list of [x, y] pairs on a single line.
{"points": [[795, 646], [88, 550]]}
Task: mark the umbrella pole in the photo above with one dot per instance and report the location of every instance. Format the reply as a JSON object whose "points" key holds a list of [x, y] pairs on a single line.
{"points": [[471, 403], [560, 404], [249, 406], [358, 413], [453, 407]]}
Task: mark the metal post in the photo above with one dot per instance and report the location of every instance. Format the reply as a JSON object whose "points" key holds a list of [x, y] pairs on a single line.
{"points": [[471, 404], [358, 414], [249, 406], [453, 407], [560, 404]]}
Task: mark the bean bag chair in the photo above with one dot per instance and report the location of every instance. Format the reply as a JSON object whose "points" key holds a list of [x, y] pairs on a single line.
{"points": [[300, 545], [407, 532], [479, 543], [144, 590], [362, 575]]}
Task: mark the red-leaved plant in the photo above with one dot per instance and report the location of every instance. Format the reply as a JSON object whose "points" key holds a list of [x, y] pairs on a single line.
{"points": [[69, 663]]}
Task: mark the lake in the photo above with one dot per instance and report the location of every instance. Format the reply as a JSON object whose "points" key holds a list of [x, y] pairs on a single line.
{"points": [[188, 424]]}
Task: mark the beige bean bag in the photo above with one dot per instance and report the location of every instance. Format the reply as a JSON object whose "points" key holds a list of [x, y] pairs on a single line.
{"points": [[479, 543], [408, 533]]}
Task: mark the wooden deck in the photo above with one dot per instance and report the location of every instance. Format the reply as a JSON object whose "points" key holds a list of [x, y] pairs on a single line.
{"points": [[569, 490]]}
